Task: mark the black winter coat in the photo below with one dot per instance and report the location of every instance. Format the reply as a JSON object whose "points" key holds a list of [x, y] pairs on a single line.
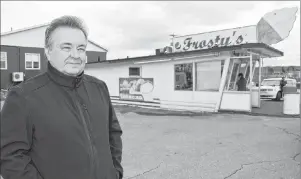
{"points": [[55, 126]]}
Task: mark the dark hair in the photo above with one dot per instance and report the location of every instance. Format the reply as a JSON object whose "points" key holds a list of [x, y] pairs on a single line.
{"points": [[240, 75], [64, 21]]}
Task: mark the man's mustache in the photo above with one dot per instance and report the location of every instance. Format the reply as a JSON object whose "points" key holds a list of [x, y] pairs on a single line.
{"points": [[73, 60]]}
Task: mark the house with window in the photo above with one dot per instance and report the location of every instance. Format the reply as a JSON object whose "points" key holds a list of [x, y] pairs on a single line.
{"points": [[22, 54], [195, 75]]}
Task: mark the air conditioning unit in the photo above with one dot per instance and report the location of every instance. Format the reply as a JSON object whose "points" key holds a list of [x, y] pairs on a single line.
{"points": [[159, 51], [18, 76]]}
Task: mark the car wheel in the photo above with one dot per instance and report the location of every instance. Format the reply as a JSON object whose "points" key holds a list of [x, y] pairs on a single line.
{"points": [[278, 96]]}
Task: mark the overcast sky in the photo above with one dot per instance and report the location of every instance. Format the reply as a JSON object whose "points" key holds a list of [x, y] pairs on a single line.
{"points": [[138, 28]]}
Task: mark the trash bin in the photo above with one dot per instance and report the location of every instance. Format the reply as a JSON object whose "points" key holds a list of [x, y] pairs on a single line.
{"points": [[291, 101], [255, 97]]}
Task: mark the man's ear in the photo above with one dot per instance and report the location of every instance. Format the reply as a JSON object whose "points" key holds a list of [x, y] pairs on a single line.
{"points": [[47, 52]]}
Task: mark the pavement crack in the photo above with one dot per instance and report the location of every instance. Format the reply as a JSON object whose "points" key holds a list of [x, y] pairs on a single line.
{"points": [[233, 173], [295, 156], [150, 170], [289, 133], [247, 164]]}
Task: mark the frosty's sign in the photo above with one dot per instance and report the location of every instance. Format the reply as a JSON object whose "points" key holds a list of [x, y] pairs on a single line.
{"points": [[221, 38], [272, 28]]}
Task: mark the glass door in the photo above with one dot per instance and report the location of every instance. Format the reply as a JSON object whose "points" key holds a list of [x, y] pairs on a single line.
{"points": [[247, 76], [236, 66]]}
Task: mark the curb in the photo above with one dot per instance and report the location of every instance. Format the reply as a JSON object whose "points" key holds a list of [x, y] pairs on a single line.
{"points": [[167, 113], [259, 114], [162, 112], [159, 112]]}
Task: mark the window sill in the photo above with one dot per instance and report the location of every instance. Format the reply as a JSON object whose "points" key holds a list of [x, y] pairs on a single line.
{"points": [[206, 90], [238, 92], [32, 68], [182, 90]]}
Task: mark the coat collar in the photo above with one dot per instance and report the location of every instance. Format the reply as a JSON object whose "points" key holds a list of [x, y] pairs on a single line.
{"points": [[62, 79]]}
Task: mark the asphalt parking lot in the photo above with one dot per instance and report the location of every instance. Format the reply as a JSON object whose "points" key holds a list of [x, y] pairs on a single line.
{"points": [[212, 146], [269, 107], [208, 146]]}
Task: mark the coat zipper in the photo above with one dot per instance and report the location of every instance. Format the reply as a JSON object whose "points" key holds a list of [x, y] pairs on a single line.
{"points": [[92, 153]]}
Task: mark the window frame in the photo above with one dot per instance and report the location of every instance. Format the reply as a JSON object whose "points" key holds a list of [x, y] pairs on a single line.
{"points": [[221, 60], [192, 74], [243, 60], [3, 52], [135, 76], [26, 60]]}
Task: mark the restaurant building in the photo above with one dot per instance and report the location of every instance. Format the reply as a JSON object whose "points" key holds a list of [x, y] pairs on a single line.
{"points": [[198, 73]]}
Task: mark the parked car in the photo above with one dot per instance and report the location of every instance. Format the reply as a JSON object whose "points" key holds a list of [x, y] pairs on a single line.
{"points": [[270, 88]]}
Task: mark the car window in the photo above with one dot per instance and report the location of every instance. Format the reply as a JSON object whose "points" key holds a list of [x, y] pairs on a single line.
{"points": [[270, 83], [290, 83]]}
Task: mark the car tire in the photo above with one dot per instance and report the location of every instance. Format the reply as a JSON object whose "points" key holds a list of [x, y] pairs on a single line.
{"points": [[278, 96]]}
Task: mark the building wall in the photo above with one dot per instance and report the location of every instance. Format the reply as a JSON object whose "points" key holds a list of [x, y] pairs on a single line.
{"points": [[13, 65], [16, 63], [96, 56], [43, 61], [163, 75]]}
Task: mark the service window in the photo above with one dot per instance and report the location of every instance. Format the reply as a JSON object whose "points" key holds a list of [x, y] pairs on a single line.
{"points": [[208, 75], [135, 71], [3, 61], [32, 61]]}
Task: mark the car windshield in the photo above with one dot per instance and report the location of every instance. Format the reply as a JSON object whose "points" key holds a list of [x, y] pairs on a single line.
{"points": [[270, 83]]}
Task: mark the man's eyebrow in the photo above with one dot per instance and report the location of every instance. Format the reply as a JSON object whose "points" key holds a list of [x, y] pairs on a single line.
{"points": [[66, 43], [82, 45]]}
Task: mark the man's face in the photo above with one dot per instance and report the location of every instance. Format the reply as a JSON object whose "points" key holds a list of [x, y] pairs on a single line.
{"points": [[67, 52]]}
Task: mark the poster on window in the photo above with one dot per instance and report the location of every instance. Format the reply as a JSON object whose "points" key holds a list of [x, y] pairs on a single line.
{"points": [[136, 89]]}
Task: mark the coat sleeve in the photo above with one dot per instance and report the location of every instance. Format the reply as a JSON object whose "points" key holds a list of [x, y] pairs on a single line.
{"points": [[115, 137], [16, 135]]}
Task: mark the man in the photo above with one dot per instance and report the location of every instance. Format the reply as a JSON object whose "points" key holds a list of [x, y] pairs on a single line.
{"points": [[282, 84], [61, 124], [241, 83]]}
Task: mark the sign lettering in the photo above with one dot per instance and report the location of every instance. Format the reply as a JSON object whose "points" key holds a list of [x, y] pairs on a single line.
{"points": [[216, 39]]}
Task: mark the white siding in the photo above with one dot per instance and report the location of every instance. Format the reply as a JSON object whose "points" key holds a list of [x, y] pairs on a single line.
{"points": [[110, 74], [236, 101], [163, 74]]}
